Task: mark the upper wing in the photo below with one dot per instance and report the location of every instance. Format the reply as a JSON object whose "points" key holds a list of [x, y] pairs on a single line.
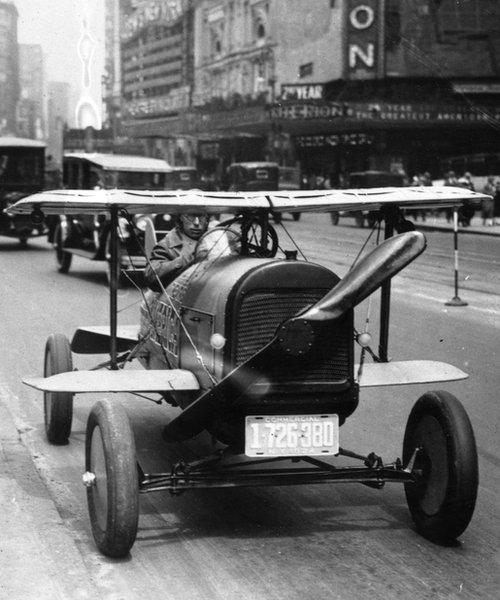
{"points": [[60, 202]]}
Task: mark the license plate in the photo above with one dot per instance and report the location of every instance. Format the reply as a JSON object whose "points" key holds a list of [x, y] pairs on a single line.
{"points": [[291, 435]]}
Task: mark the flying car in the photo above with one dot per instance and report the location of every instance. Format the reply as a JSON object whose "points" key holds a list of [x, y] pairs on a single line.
{"points": [[259, 351]]}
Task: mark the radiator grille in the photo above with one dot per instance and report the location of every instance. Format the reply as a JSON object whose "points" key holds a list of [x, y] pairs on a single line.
{"points": [[260, 315]]}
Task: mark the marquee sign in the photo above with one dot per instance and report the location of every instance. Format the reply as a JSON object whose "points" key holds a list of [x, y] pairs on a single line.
{"points": [[333, 140], [174, 101], [148, 12], [385, 112], [302, 91]]}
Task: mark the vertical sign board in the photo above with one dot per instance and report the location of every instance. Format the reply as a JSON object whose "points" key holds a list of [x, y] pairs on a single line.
{"points": [[362, 39]]}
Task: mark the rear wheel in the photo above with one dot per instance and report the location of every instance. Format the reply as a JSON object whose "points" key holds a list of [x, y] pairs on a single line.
{"points": [[57, 406], [440, 438], [359, 219], [334, 216], [112, 479], [296, 216], [63, 258]]}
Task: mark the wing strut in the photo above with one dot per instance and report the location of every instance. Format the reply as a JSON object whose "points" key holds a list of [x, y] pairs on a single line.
{"points": [[385, 299], [113, 289]]}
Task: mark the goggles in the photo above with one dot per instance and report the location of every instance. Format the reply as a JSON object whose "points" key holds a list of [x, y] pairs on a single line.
{"points": [[192, 218]]}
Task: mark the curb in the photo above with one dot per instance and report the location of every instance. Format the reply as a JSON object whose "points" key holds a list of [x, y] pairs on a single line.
{"points": [[469, 230]]}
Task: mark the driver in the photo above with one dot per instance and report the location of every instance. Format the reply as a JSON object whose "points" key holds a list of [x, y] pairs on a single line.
{"points": [[175, 252]]}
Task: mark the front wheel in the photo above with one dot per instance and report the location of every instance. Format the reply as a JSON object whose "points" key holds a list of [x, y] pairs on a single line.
{"points": [[112, 479], [57, 406], [440, 439]]}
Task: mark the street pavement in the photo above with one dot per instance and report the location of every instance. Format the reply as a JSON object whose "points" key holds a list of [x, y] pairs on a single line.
{"points": [[29, 519]]}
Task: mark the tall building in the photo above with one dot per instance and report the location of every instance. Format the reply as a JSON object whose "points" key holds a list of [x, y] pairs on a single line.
{"points": [[111, 84], [58, 117], [9, 68], [332, 86], [157, 74], [31, 107]]}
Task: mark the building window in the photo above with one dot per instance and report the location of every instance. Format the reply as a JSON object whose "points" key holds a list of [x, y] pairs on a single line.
{"points": [[306, 70]]}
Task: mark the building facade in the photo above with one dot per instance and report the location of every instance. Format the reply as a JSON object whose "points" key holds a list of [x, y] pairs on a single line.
{"points": [[31, 113], [58, 117], [156, 47], [9, 69], [331, 86]]}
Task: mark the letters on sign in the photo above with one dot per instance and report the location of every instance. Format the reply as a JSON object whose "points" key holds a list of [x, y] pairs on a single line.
{"points": [[362, 39]]}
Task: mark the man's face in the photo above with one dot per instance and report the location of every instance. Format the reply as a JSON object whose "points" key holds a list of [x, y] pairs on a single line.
{"points": [[194, 224]]}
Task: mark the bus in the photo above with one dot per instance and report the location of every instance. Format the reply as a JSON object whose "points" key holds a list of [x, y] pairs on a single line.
{"points": [[22, 163]]}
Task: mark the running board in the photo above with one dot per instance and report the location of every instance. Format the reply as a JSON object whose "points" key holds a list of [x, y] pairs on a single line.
{"points": [[116, 381], [407, 372]]}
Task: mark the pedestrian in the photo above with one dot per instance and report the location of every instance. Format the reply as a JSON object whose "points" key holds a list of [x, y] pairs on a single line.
{"points": [[487, 203], [467, 210], [496, 204], [176, 251]]}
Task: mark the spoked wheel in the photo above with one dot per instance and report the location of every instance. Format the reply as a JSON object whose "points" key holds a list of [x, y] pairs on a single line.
{"points": [[57, 406], [63, 258], [112, 479], [440, 438], [258, 237], [121, 278]]}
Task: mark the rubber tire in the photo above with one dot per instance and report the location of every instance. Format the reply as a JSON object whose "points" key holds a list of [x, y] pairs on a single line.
{"points": [[63, 258], [334, 217], [296, 216], [113, 502], [442, 504], [57, 406], [359, 219]]}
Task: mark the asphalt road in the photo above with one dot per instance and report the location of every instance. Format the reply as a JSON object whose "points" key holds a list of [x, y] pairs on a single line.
{"points": [[332, 541]]}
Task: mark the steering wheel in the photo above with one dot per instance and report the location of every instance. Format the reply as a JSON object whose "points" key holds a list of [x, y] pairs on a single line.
{"points": [[235, 237], [258, 237]]}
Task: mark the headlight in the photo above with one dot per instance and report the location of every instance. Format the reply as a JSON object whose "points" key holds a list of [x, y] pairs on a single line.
{"points": [[141, 223], [123, 227]]}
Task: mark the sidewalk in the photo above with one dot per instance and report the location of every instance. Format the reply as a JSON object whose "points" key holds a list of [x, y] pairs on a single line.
{"points": [[39, 558], [439, 224]]}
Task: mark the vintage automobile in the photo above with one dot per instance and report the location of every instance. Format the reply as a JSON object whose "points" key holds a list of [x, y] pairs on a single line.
{"points": [[21, 173], [260, 176], [289, 179], [88, 235], [176, 178], [369, 179], [262, 353]]}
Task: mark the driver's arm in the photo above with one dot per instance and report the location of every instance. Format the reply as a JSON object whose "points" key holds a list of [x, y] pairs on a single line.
{"points": [[166, 263]]}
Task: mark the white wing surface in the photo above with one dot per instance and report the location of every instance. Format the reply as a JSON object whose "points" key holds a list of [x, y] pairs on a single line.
{"points": [[408, 372], [116, 381], [69, 202]]}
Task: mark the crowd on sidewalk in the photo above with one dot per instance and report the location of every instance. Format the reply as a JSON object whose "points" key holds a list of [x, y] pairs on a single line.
{"points": [[489, 208]]}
